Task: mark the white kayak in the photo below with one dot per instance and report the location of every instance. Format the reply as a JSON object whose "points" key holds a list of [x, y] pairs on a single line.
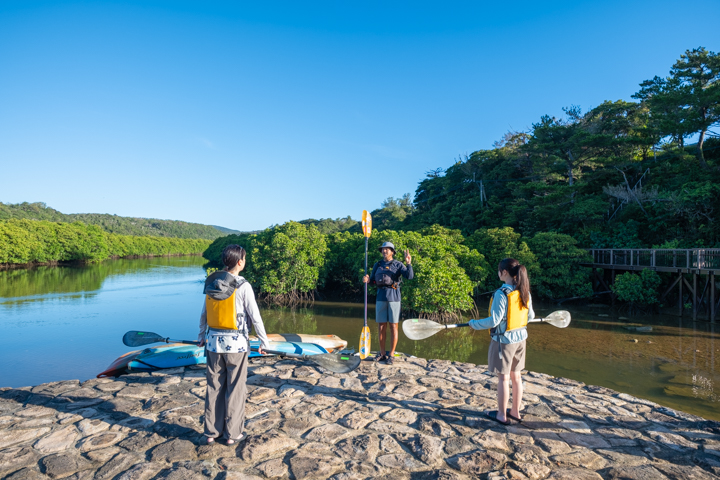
{"points": [[330, 343]]}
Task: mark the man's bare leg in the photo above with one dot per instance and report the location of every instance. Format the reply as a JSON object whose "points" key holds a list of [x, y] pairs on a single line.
{"points": [[381, 334], [394, 340]]}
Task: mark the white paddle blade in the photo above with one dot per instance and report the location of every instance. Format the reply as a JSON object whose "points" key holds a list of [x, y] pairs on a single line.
{"points": [[560, 319], [420, 328]]}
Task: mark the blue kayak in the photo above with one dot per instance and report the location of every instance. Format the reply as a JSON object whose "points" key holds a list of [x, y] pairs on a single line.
{"points": [[181, 355]]}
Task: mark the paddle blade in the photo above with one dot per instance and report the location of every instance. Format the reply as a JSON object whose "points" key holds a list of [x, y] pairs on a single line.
{"points": [[365, 343], [329, 361], [335, 363], [560, 319], [366, 223], [420, 328], [135, 338]]}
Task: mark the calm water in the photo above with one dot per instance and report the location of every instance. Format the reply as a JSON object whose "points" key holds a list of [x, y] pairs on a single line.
{"points": [[60, 323]]}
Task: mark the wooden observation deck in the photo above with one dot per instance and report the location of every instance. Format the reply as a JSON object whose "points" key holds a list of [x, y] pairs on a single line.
{"points": [[684, 263]]}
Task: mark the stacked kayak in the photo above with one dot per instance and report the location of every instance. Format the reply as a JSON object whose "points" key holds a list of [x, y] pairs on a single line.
{"points": [[183, 355], [331, 343]]}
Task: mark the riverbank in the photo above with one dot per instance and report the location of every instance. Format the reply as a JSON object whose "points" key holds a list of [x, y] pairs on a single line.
{"points": [[415, 419], [84, 263], [29, 242]]}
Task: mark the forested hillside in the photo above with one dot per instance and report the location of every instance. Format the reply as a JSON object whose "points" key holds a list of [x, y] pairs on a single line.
{"points": [[115, 224], [619, 175], [328, 225]]}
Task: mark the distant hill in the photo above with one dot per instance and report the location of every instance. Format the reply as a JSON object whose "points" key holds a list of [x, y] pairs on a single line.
{"points": [[115, 224], [227, 231], [328, 225]]}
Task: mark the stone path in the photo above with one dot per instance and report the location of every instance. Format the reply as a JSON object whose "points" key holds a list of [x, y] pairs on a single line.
{"points": [[416, 419]]}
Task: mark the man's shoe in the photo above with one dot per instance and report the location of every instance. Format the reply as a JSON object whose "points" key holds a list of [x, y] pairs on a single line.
{"points": [[380, 357], [389, 360]]}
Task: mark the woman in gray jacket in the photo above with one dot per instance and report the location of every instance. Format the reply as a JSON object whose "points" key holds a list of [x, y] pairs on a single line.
{"points": [[227, 315]]}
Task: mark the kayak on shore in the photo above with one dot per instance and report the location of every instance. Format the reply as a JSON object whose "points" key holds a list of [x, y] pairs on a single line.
{"points": [[331, 343], [183, 355]]}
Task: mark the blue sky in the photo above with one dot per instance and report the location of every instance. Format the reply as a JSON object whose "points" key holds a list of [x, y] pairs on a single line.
{"points": [[246, 115]]}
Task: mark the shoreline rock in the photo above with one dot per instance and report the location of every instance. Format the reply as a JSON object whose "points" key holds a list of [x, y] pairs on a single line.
{"points": [[417, 419]]}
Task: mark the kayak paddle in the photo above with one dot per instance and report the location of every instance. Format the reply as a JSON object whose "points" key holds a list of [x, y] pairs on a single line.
{"points": [[134, 338], [420, 328], [329, 361], [365, 334]]}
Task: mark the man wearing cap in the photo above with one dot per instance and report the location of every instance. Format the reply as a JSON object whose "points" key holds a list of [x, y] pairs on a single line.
{"points": [[387, 275]]}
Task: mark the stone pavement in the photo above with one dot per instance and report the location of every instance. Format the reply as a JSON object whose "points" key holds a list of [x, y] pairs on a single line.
{"points": [[416, 419]]}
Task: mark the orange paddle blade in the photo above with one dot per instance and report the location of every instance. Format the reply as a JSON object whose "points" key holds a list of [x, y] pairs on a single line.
{"points": [[365, 343], [366, 223]]}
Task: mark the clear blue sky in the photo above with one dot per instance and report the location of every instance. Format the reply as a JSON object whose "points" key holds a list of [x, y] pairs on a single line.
{"points": [[248, 114]]}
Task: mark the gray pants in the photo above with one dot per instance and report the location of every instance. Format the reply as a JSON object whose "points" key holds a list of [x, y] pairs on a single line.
{"points": [[226, 375]]}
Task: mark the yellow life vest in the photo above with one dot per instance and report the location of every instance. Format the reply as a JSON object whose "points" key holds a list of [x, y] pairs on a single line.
{"points": [[517, 315], [220, 293], [221, 314]]}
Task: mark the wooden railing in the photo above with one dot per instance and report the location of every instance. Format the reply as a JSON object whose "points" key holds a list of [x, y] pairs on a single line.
{"points": [[697, 258]]}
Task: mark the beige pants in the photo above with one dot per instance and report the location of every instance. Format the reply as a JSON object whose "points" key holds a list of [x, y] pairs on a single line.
{"points": [[226, 375]]}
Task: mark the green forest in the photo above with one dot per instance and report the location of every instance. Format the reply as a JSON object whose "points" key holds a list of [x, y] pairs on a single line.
{"points": [[40, 241], [113, 223], [295, 262], [624, 174], [620, 175]]}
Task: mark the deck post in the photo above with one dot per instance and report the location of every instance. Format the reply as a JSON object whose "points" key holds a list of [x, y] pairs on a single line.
{"points": [[694, 294], [632, 253], [680, 298], [652, 261], [712, 296], [687, 258]]}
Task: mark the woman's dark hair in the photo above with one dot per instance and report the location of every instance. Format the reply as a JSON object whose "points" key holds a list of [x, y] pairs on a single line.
{"points": [[232, 254], [520, 278]]}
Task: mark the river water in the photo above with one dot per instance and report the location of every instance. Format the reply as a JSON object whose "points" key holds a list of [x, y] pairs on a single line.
{"points": [[62, 323]]}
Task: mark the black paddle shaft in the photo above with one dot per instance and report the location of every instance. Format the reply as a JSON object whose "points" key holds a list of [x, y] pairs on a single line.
{"points": [[328, 361], [135, 338], [457, 325]]}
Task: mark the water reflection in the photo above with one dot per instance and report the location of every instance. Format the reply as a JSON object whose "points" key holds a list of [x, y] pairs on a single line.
{"points": [[33, 284], [290, 320]]}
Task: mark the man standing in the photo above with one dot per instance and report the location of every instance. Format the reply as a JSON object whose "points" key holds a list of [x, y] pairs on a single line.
{"points": [[387, 275]]}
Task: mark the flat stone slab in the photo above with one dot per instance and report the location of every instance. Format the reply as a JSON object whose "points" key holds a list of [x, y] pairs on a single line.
{"points": [[414, 420]]}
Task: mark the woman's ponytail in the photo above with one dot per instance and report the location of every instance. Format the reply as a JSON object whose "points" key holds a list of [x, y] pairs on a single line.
{"points": [[520, 278]]}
